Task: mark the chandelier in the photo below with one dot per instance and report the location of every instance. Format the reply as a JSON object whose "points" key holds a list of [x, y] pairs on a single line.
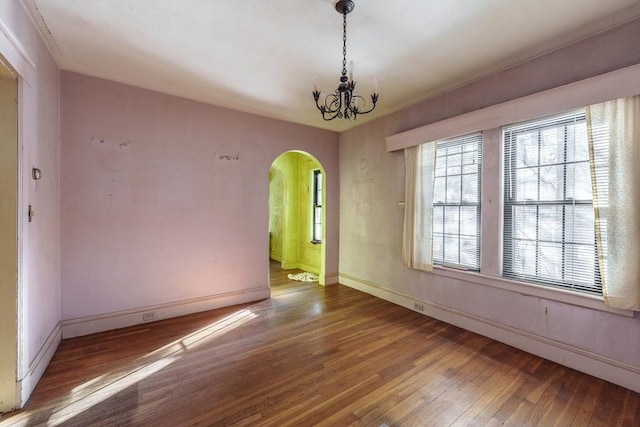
{"points": [[344, 102]]}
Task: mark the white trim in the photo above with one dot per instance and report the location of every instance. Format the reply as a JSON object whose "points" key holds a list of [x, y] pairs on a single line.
{"points": [[39, 364], [20, 61], [594, 302], [308, 268], [331, 279], [22, 367], [15, 52], [15, 42], [38, 22], [300, 266], [608, 369], [605, 87], [22, 65], [121, 319]]}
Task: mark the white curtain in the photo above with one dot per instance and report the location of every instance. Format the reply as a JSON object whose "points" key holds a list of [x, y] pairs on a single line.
{"points": [[417, 251], [614, 129]]}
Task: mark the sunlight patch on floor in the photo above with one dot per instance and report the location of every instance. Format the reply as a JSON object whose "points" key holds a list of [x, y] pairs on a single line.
{"points": [[66, 413], [21, 420], [203, 335], [101, 388]]}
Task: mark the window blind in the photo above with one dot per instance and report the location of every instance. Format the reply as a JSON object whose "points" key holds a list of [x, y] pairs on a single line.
{"points": [[456, 202], [549, 231]]}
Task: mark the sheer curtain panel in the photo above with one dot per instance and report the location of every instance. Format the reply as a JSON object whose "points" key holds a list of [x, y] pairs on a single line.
{"points": [[417, 251], [614, 129]]}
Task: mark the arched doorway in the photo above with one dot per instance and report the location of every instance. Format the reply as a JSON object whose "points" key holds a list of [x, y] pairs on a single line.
{"points": [[297, 216]]}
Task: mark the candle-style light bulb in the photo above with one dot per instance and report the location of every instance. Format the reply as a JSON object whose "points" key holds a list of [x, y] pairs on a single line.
{"points": [[351, 67], [375, 85]]}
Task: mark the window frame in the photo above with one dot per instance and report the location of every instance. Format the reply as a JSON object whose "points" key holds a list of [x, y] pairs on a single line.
{"points": [[316, 205], [445, 145], [509, 204]]}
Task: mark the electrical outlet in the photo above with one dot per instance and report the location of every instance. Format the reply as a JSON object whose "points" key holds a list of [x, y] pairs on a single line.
{"points": [[148, 316], [418, 306]]}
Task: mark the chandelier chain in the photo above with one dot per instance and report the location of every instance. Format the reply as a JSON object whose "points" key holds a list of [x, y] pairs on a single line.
{"points": [[344, 45]]}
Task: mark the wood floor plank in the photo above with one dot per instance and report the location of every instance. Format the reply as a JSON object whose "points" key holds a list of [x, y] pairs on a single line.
{"points": [[561, 407], [312, 355], [482, 398]]}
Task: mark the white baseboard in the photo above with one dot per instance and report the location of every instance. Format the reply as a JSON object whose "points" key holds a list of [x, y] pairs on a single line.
{"points": [[28, 383], [121, 319], [299, 266], [602, 367], [331, 278], [308, 268]]}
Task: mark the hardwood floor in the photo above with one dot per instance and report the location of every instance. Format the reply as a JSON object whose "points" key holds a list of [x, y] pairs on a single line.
{"points": [[312, 356]]}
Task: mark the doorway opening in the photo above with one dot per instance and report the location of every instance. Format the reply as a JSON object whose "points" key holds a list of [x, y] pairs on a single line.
{"points": [[9, 398], [297, 216]]}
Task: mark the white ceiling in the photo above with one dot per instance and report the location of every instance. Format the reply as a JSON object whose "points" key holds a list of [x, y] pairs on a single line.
{"points": [[262, 56]]}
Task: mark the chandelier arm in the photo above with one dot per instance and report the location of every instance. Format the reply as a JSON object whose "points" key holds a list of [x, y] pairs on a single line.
{"points": [[326, 115], [335, 104], [329, 118], [356, 110], [329, 112]]}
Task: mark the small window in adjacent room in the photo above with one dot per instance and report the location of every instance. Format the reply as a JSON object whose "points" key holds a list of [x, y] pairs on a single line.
{"points": [[316, 231], [456, 202], [549, 231]]}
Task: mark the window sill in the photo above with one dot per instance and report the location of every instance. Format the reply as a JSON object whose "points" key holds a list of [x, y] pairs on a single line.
{"points": [[594, 302]]}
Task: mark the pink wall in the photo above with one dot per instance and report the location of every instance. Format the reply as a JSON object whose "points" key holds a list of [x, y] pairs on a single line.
{"points": [[165, 199], [599, 54], [372, 183], [39, 308]]}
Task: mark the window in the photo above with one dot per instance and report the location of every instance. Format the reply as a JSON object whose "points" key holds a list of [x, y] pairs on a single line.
{"points": [[456, 202], [549, 233], [316, 231]]}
